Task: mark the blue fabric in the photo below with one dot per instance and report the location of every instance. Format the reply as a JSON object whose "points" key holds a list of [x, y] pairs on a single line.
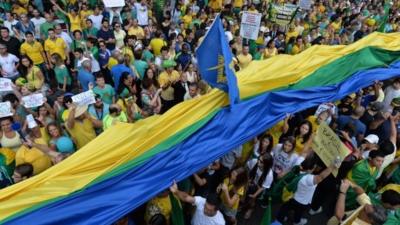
{"points": [[116, 72], [359, 126], [215, 60], [84, 78], [107, 201]]}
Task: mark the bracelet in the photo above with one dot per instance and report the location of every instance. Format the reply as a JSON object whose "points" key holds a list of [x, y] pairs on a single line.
{"points": [[340, 192]]}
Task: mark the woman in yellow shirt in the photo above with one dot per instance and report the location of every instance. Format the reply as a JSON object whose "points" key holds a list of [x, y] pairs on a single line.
{"points": [[303, 134], [270, 50], [73, 17], [33, 74], [231, 191]]}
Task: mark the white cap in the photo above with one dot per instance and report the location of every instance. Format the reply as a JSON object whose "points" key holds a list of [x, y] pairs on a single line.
{"points": [[372, 138]]}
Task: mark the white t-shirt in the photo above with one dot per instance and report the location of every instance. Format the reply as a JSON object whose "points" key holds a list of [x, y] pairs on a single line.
{"points": [[7, 64], [96, 20], [37, 22], [199, 218], [10, 26], [269, 178], [284, 161], [142, 14], [305, 189], [390, 94]]}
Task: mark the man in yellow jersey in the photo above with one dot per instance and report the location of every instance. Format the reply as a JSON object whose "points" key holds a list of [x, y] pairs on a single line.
{"points": [[54, 44]]}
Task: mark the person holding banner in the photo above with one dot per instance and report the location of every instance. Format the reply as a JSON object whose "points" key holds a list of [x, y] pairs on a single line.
{"points": [[81, 125]]}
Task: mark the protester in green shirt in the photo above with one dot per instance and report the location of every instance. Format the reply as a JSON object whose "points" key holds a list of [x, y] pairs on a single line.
{"points": [[49, 24], [106, 92]]}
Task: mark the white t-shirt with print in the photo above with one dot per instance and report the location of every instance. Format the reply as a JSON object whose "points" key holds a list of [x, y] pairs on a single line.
{"points": [[284, 161], [199, 218], [142, 14]]}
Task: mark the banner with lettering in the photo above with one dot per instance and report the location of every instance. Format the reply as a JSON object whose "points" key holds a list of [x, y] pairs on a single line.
{"points": [[282, 14], [328, 146]]}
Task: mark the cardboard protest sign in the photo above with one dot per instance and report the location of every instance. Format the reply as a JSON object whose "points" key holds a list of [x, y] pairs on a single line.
{"points": [[282, 14], [250, 25], [33, 100], [5, 84], [84, 98], [5, 109], [114, 3], [327, 145]]}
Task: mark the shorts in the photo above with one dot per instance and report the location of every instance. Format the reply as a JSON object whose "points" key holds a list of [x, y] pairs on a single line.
{"points": [[229, 212]]}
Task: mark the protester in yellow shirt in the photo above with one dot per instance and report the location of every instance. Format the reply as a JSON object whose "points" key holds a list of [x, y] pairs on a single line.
{"points": [[215, 4], [33, 49], [244, 58], [84, 14], [298, 47], [55, 45], [187, 18], [157, 43], [74, 18], [232, 190], [18, 9], [136, 30], [81, 125]]}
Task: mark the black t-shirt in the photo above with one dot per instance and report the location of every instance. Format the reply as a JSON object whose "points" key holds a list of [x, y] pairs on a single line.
{"points": [[13, 45], [105, 35]]}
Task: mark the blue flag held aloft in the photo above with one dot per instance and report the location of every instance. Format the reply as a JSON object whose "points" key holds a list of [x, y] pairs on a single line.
{"points": [[215, 61]]}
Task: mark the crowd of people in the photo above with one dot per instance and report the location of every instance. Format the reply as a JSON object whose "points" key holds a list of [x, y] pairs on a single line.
{"points": [[139, 60]]}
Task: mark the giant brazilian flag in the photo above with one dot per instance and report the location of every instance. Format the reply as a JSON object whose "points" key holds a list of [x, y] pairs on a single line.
{"points": [[130, 163]]}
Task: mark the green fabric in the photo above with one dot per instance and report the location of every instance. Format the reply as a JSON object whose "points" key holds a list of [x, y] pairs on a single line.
{"points": [[383, 21], [148, 56], [140, 67], [106, 94], [95, 52], [10, 167], [176, 212], [344, 67], [90, 32], [292, 186], [78, 44], [44, 28], [393, 218], [267, 216], [280, 184], [62, 72]]}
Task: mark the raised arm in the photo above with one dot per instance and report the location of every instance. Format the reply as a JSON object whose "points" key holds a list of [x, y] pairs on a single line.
{"points": [[58, 7], [183, 196]]}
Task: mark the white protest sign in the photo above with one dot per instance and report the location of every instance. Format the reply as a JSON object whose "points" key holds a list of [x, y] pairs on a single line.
{"points": [[84, 98], [250, 25], [5, 109], [34, 100], [114, 3], [31, 121], [5, 84], [305, 4]]}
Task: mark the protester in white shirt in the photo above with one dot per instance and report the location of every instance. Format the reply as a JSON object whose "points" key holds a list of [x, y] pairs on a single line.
{"points": [[8, 63], [305, 190], [207, 212], [37, 20], [96, 18], [142, 13]]}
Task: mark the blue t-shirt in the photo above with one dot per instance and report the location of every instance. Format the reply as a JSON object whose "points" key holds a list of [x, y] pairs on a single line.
{"points": [[344, 120], [84, 78]]}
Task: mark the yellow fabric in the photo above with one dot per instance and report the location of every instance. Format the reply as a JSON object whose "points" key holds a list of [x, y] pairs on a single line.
{"points": [[138, 32], [244, 60], [9, 155], [34, 156], [299, 145], [33, 51], [56, 46], [165, 78], [82, 132], [276, 131], [33, 79], [75, 22], [100, 156], [156, 44], [238, 3], [112, 62], [19, 10], [239, 192], [163, 204], [187, 19], [84, 15]]}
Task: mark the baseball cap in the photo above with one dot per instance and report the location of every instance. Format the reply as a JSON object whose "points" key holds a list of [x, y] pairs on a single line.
{"points": [[376, 106], [372, 138]]}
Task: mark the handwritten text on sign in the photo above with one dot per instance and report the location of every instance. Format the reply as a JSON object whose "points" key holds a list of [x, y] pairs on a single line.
{"points": [[250, 25], [5, 109], [328, 146], [34, 100], [84, 98], [5, 84]]}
